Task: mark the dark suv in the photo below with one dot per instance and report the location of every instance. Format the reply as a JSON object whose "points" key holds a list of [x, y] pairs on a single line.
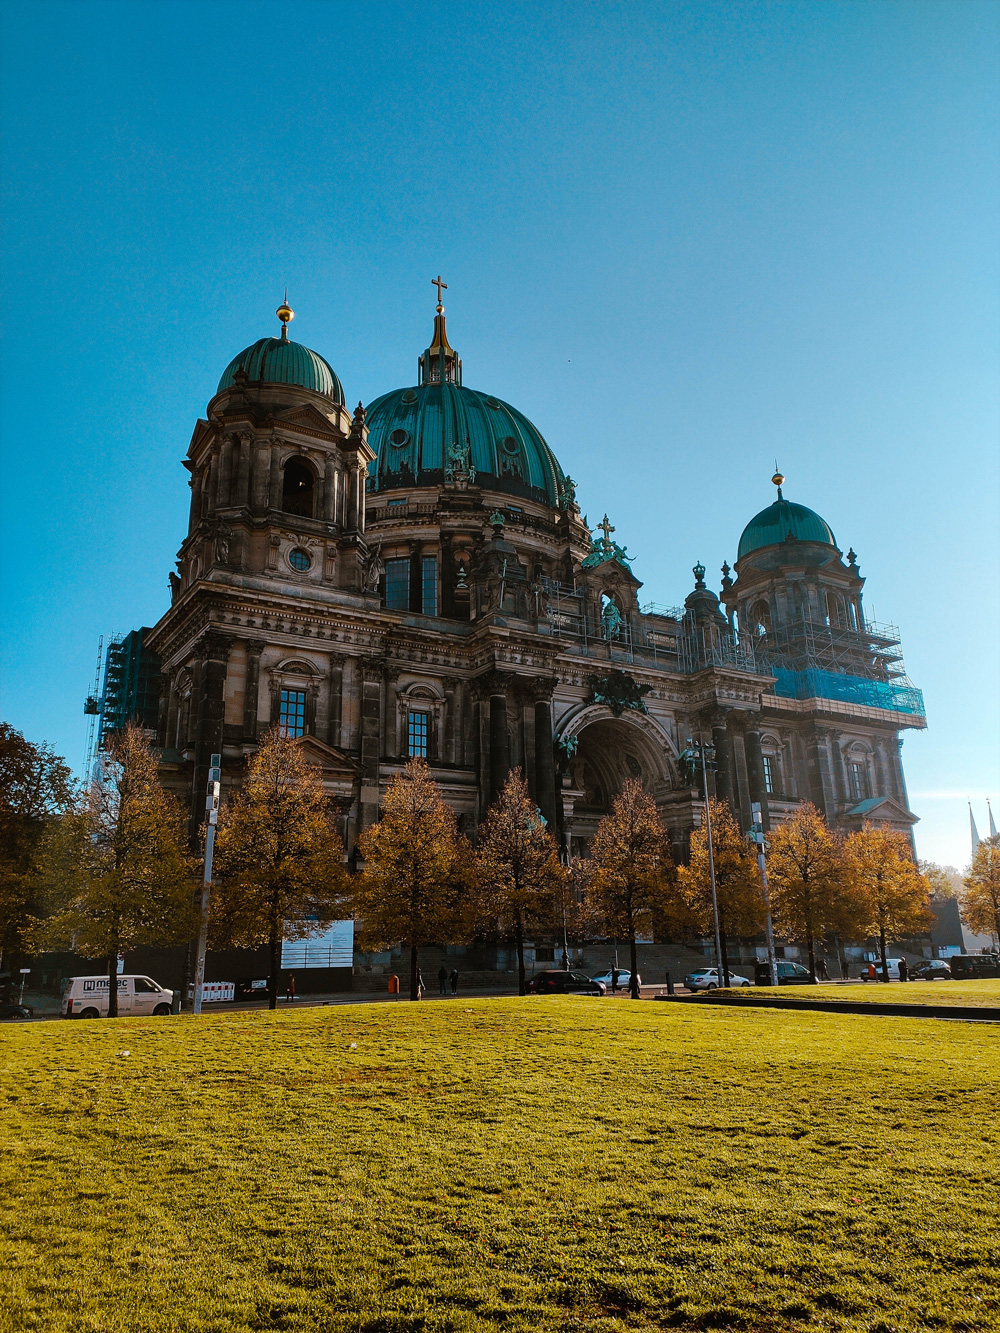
{"points": [[972, 966], [789, 974], [558, 982]]}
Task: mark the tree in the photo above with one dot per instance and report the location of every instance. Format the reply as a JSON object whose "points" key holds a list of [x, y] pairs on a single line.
{"points": [[632, 870], [115, 867], [979, 900], [278, 856], [36, 787], [894, 894], [415, 865], [738, 892], [945, 881], [809, 885], [521, 884]]}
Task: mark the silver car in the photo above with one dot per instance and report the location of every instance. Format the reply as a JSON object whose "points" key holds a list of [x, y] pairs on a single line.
{"points": [[707, 978], [623, 981]]}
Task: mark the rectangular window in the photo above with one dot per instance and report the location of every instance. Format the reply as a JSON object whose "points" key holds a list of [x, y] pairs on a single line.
{"points": [[769, 774], [858, 777], [417, 735], [429, 585], [292, 713], [397, 585]]}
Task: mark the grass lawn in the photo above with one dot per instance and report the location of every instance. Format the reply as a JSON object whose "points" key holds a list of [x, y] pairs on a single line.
{"points": [[545, 1164], [982, 994]]}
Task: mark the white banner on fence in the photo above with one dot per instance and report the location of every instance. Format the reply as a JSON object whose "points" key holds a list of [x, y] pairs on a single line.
{"points": [[218, 991], [334, 948]]}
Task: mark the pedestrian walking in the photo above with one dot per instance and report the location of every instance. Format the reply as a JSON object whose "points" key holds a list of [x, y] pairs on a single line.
{"points": [[290, 987], [614, 981], [844, 969], [442, 980], [421, 988], [822, 971], [904, 971], [454, 980]]}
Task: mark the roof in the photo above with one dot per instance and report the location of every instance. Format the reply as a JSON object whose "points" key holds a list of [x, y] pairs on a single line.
{"points": [[278, 361], [781, 520], [425, 434]]}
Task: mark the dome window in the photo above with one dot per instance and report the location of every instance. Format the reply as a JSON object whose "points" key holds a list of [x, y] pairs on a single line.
{"points": [[297, 489], [492, 402], [299, 560], [399, 438], [510, 445], [408, 396]]}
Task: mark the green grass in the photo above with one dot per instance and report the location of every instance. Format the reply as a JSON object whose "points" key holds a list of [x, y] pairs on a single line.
{"points": [[982, 994], [550, 1164]]}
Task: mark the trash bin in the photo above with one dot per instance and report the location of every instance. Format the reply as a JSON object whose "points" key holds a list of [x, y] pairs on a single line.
{"points": [[393, 984]]}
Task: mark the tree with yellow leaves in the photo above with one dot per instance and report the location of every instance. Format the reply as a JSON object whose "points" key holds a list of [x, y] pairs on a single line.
{"points": [[115, 870], [521, 883], [810, 888], [415, 866], [738, 892], [979, 898], [632, 871], [894, 896], [278, 857]]}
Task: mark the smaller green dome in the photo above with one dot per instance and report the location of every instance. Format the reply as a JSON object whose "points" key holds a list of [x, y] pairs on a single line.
{"points": [[278, 361], [780, 520]]}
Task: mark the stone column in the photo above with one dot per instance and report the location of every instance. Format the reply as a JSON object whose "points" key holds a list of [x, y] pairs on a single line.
{"points": [[755, 773], [724, 785], [242, 496], [274, 481], [499, 743], [259, 481], [251, 693], [545, 769], [329, 488], [820, 781], [336, 688], [391, 744], [448, 736], [371, 712], [226, 471]]}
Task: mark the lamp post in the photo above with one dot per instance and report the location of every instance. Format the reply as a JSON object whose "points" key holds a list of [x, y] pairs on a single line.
{"points": [[757, 837], [699, 751], [212, 808]]}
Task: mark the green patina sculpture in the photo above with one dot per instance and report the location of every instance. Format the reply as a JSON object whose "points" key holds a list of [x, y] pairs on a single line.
{"points": [[619, 692]]}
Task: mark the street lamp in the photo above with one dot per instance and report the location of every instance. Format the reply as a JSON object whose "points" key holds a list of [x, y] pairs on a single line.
{"points": [[757, 837], [700, 752]]}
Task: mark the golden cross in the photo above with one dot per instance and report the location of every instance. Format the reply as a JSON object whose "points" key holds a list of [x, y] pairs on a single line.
{"points": [[607, 528], [439, 282]]}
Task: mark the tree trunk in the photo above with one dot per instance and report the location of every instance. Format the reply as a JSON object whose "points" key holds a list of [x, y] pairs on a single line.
{"points": [[811, 951], [414, 969], [113, 980], [519, 938], [274, 946], [725, 954], [633, 986], [885, 961]]}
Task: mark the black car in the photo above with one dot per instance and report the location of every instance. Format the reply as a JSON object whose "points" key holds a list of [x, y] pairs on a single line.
{"points": [[558, 982], [16, 1011], [972, 966], [934, 969], [789, 974]]}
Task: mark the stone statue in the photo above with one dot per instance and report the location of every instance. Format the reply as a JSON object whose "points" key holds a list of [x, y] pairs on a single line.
{"points": [[611, 620], [372, 569], [175, 585], [568, 746], [222, 540]]}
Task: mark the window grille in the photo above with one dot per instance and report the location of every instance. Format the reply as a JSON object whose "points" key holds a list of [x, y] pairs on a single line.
{"points": [[292, 713], [397, 585], [417, 735], [428, 585]]}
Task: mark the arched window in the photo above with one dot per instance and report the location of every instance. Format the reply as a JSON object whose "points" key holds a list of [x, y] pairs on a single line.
{"points": [[834, 610], [297, 489], [760, 618]]}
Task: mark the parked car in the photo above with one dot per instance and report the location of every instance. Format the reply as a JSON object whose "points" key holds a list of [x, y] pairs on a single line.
{"points": [[622, 982], [557, 982], [87, 997], [934, 969], [707, 978], [789, 974], [16, 1011], [893, 966], [971, 966]]}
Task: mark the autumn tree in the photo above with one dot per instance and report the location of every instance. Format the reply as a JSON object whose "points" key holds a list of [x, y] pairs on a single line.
{"points": [[810, 890], [979, 899], [944, 881], [415, 865], [115, 870], [894, 895], [738, 891], [520, 879], [35, 789], [632, 871], [278, 857]]}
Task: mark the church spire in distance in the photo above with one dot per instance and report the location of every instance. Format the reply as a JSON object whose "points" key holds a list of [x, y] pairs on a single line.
{"points": [[440, 364]]}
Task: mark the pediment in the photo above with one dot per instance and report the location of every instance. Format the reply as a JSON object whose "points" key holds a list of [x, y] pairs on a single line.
{"points": [[334, 763], [882, 810], [309, 418]]}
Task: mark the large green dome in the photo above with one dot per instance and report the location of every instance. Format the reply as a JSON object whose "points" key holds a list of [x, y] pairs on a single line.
{"points": [[780, 520], [278, 361], [417, 432]]}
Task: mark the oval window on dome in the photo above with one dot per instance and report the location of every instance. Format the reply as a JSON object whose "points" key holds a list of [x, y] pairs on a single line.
{"points": [[510, 445], [299, 560], [492, 402], [409, 396], [399, 438]]}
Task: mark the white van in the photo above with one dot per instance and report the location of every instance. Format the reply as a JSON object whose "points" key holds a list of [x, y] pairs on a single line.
{"points": [[87, 997]]}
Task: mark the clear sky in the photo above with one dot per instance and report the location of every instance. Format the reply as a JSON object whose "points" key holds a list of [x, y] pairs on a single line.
{"points": [[684, 238]]}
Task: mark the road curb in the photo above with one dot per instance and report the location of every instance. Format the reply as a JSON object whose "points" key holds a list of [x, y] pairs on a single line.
{"points": [[964, 1011]]}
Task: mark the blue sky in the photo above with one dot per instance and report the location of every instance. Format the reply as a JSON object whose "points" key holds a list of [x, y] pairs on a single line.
{"points": [[683, 238]]}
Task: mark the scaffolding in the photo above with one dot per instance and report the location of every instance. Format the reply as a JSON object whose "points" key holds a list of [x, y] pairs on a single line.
{"points": [[127, 692]]}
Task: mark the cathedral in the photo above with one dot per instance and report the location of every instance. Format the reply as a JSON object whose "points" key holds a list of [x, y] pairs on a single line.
{"points": [[415, 578]]}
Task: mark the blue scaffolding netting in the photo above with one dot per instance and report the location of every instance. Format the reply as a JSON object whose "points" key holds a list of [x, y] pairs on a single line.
{"points": [[813, 683]]}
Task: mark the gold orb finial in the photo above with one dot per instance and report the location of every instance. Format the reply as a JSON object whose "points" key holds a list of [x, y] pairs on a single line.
{"points": [[777, 479], [285, 313]]}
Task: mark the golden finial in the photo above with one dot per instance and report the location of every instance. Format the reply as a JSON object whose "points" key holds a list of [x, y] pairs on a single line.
{"points": [[777, 480], [439, 282], [285, 313]]}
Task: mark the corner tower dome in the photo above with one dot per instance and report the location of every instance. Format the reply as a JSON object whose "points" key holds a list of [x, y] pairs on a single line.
{"points": [[279, 361], [782, 520], [425, 434]]}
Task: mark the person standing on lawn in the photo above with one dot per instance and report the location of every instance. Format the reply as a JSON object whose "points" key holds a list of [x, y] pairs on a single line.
{"points": [[421, 988], [454, 981], [290, 987], [903, 970], [442, 980]]}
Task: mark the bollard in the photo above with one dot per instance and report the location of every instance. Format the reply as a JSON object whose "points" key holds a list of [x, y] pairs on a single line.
{"points": [[670, 985], [393, 984]]}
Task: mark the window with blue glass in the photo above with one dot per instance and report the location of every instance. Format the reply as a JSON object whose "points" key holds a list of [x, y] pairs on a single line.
{"points": [[292, 713], [429, 585], [397, 585], [417, 731]]}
